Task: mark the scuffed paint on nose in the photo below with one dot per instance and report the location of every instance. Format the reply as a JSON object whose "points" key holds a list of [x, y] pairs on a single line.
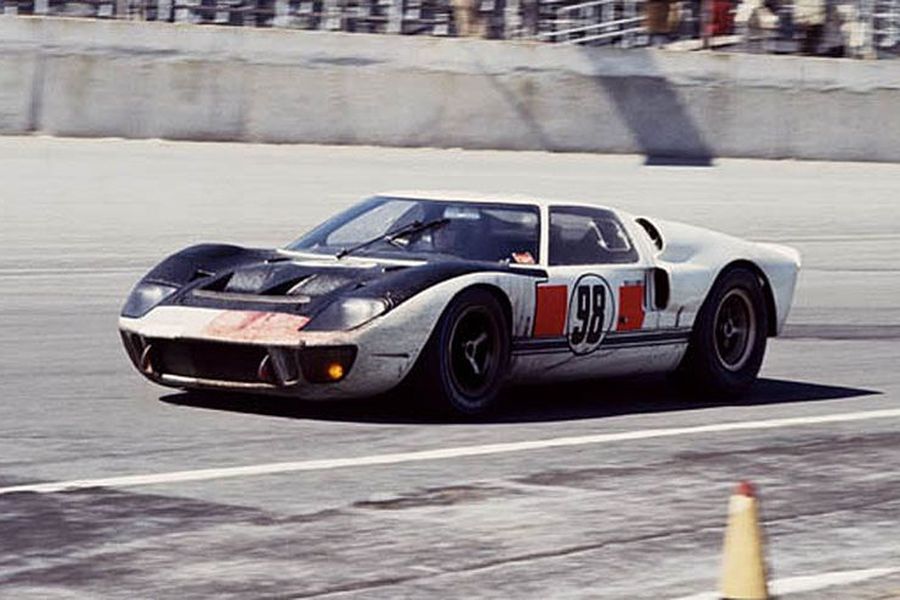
{"points": [[255, 326]]}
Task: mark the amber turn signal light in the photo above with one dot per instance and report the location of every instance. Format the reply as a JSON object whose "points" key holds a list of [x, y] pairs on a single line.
{"points": [[326, 364], [335, 371]]}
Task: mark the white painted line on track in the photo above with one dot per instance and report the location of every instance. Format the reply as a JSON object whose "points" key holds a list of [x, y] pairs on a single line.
{"points": [[442, 453], [808, 583]]}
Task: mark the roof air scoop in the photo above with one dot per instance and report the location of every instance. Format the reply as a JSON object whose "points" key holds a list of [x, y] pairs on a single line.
{"points": [[652, 232]]}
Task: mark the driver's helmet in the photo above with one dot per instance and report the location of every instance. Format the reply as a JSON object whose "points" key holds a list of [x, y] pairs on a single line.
{"points": [[460, 237]]}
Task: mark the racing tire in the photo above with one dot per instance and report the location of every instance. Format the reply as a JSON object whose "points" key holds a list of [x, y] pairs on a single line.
{"points": [[728, 341], [464, 365]]}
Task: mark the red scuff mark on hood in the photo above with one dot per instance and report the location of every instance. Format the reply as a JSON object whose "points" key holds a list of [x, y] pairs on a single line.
{"points": [[255, 326]]}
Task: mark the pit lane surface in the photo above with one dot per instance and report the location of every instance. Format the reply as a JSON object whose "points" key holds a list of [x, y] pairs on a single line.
{"points": [[628, 518]]}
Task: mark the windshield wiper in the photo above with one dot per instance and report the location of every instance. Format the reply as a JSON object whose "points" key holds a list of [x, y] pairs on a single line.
{"points": [[408, 229]]}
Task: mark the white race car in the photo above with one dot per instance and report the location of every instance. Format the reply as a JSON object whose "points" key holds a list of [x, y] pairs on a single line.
{"points": [[458, 295]]}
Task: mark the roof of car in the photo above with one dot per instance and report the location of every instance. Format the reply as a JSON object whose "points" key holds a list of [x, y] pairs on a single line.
{"points": [[468, 196]]}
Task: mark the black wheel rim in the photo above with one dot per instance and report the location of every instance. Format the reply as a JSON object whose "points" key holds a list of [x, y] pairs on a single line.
{"points": [[735, 329], [473, 353]]}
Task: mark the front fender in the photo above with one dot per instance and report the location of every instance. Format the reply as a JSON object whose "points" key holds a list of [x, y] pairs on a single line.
{"points": [[405, 330]]}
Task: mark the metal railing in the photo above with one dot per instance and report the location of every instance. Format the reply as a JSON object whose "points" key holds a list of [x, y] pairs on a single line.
{"points": [[886, 24], [598, 22]]}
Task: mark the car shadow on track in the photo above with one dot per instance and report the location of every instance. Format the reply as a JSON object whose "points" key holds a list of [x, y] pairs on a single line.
{"points": [[531, 404]]}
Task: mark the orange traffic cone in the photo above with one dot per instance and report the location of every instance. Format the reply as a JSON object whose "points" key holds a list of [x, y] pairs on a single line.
{"points": [[743, 565]]}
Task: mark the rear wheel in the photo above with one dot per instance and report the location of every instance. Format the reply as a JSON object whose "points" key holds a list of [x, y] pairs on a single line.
{"points": [[729, 337], [464, 365]]}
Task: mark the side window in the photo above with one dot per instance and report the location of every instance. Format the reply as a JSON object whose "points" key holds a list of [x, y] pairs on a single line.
{"points": [[586, 236]]}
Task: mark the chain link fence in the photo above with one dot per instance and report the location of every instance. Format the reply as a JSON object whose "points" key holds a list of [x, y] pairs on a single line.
{"points": [[856, 28]]}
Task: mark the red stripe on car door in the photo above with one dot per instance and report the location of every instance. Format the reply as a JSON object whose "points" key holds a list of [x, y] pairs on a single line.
{"points": [[631, 307], [551, 306]]}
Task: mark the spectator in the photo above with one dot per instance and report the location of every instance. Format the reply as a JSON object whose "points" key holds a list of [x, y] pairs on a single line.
{"points": [[809, 19], [845, 32], [722, 17], [855, 32], [757, 21], [531, 16], [656, 15], [467, 19]]}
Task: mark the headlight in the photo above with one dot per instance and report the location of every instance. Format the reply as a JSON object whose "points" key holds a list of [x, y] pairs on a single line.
{"points": [[145, 296], [349, 313]]}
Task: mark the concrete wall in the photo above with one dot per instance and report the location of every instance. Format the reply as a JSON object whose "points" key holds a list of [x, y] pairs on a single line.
{"points": [[129, 79]]}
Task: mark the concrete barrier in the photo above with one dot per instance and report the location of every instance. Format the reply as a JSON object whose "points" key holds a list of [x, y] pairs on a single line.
{"points": [[131, 79]]}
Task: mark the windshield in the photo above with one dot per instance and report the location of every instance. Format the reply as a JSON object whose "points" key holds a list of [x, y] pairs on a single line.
{"points": [[466, 230]]}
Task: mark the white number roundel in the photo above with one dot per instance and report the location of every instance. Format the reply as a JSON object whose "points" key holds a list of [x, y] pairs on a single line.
{"points": [[591, 313]]}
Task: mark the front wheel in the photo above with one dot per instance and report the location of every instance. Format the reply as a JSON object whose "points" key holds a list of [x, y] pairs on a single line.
{"points": [[729, 337], [464, 365]]}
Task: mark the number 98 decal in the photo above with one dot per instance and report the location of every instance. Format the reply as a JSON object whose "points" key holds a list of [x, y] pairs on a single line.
{"points": [[591, 313]]}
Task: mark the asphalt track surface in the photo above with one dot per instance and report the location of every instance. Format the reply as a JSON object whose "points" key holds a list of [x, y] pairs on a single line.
{"points": [[632, 514]]}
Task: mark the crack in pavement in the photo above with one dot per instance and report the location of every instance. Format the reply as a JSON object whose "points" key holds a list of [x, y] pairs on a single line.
{"points": [[562, 552], [490, 564]]}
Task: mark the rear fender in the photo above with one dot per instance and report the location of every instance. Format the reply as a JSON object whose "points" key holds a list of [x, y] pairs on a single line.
{"points": [[695, 258]]}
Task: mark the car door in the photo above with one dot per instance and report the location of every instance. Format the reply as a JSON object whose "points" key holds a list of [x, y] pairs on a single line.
{"points": [[593, 314]]}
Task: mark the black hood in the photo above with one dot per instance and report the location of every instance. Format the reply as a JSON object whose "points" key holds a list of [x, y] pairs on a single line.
{"points": [[228, 277]]}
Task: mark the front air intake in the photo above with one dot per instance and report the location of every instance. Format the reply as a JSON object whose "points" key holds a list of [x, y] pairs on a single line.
{"points": [[207, 360]]}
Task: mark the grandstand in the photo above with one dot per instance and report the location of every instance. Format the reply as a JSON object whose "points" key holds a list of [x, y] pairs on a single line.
{"points": [[859, 28]]}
